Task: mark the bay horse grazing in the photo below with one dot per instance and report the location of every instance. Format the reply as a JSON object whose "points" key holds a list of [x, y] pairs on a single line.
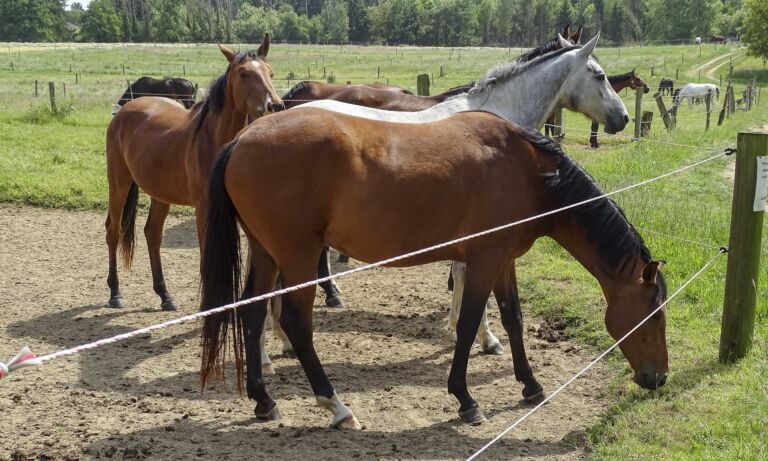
{"points": [[524, 91], [618, 82], [718, 39], [155, 145], [666, 86], [445, 179], [179, 89]]}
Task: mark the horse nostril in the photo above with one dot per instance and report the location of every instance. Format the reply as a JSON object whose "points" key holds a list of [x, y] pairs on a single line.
{"points": [[663, 380], [626, 119]]}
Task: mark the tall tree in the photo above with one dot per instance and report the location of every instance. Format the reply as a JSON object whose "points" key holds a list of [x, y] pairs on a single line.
{"points": [[101, 23], [756, 27], [31, 20]]}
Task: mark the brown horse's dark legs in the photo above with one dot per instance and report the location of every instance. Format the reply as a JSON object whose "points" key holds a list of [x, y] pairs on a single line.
{"points": [[296, 320], [593, 135], [261, 278], [153, 231], [477, 287], [332, 292], [512, 319], [113, 282]]}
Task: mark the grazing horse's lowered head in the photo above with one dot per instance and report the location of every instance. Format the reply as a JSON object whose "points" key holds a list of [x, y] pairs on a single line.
{"points": [[249, 79]]}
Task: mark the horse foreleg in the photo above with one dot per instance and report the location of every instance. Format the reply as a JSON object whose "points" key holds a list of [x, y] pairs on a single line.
{"points": [[296, 319], [332, 292], [261, 278], [153, 232], [479, 279], [489, 343], [593, 135], [512, 319]]}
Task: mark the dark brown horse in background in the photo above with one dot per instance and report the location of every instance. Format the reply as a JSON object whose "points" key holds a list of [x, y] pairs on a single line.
{"points": [[155, 145], [406, 187], [718, 39], [308, 90], [619, 82], [179, 89]]}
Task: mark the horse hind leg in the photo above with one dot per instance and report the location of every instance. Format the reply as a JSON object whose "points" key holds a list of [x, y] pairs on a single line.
{"points": [[153, 232], [296, 319], [489, 343], [332, 292], [123, 194], [261, 278]]}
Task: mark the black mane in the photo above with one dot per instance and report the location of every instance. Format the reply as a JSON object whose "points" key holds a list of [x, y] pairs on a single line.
{"points": [[217, 93], [292, 92], [603, 220], [510, 70]]}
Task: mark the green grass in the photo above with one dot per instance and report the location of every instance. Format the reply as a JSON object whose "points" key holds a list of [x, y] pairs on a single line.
{"points": [[707, 410]]}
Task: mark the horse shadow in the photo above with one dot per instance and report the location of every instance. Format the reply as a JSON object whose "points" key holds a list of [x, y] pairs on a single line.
{"points": [[114, 368], [181, 236], [187, 438]]}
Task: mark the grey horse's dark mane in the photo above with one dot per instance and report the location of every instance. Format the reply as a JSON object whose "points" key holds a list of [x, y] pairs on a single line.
{"points": [[508, 71]]}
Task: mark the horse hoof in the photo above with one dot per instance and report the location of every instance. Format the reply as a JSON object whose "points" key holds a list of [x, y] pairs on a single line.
{"points": [[273, 414], [474, 416], [493, 349], [267, 369], [169, 305], [334, 301], [534, 394], [116, 302], [349, 423]]}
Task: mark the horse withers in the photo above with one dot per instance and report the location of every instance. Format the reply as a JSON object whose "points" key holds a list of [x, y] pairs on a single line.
{"points": [[155, 145], [178, 89], [419, 174]]}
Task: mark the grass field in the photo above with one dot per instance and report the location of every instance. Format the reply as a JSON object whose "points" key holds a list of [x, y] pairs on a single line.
{"points": [[706, 411]]}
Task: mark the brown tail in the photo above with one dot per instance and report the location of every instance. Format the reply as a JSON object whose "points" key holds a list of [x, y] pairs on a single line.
{"points": [[128, 230], [220, 270]]}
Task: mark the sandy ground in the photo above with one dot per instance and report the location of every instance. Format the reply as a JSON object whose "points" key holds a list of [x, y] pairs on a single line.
{"points": [[387, 353]]}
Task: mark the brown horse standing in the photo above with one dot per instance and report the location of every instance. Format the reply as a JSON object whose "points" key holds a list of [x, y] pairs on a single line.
{"points": [[156, 145], [406, 187], [619, 82], [308, 90]]}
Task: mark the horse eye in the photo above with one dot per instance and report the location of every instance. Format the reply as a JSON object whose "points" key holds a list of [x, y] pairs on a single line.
{"points": [[244, 74], [600, 77]]}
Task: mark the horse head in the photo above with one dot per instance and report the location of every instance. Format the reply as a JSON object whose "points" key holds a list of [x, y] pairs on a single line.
{"points": [[628, 304], [250, 80], [636, 82], [588, 91]]}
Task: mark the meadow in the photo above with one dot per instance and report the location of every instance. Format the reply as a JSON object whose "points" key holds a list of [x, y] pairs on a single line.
{"points": [[706, 411]]}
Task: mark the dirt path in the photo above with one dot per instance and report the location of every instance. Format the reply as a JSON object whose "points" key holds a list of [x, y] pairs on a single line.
{"points": [[712, 65], [387, 353]]}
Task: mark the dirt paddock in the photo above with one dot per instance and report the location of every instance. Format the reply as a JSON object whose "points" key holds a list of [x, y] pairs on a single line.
{"points": [[387, 353]]}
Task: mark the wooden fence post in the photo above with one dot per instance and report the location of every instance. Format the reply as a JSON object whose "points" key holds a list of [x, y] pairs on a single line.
{"points": [[708, 103], [677, 74], [557, 130], [52, 96], [663, 110], [64, 89], [77, 79], [724, 110], [731, 101], [638, 112], [651, 71], [422, 85], [378, 72], [36, 93], [744, 247], [647, 120]]}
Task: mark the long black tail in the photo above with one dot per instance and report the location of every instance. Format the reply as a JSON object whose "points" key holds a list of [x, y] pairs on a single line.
{"points": [[220, 270], [128, 225]]}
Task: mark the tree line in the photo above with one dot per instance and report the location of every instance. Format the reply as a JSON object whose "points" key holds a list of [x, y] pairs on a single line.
{"points": [[419, 22]]}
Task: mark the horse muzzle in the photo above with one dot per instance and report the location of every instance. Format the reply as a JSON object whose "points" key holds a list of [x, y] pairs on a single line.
{"points": [[616, 123], [650, 379]]}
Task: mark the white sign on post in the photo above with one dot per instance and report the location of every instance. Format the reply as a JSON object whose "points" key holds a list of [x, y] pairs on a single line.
{"points": [[761, 187]]}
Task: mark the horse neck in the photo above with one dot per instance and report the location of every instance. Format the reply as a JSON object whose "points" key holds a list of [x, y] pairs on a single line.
{"points": [[223, 125], [570, 234], [527, 99], [620, 82]]}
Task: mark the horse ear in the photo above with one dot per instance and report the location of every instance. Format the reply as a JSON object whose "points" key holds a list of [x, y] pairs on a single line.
{"points": [[651, 271], [567, 31], [576, 38], [563, 42], [587, 49], [229, 54], [264, 48]]}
